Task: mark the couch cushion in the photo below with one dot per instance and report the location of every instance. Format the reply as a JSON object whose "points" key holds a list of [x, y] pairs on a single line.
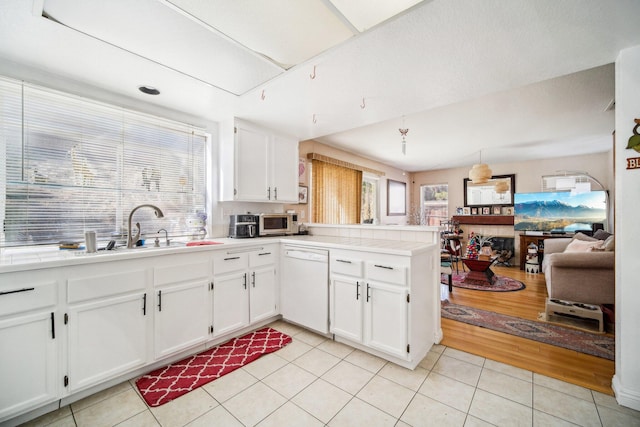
{"points": [[601, 235], [583, 246], [609, 244], [583, 237]]}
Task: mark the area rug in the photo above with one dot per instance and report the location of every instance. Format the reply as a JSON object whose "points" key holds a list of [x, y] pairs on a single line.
{"points": [[165, 384], [500, 283], [584, 342]]}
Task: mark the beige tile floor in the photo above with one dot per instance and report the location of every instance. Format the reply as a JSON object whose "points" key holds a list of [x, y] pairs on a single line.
{"points": [[314, 382]]}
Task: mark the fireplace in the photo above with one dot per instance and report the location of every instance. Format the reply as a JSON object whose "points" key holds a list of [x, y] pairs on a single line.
{"points": [[504, 247]]}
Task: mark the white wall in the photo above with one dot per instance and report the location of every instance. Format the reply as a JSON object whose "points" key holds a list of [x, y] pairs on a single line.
{"points": [[626, 382]]}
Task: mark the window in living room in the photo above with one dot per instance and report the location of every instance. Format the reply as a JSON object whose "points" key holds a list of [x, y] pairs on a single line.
{"points": [[434, 203], [369, 196]]}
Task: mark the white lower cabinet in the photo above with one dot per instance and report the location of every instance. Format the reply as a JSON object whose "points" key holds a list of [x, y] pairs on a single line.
{"points": [[365, 309], [29, 342], [385, 314], [245, 288], [181, 310], [108, 322]]}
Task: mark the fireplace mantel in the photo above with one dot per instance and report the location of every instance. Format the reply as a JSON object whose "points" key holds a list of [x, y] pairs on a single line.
{"points": [[484, 219]]}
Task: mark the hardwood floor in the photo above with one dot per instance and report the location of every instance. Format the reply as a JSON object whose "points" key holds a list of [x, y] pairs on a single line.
{"points": [[581, 369]]}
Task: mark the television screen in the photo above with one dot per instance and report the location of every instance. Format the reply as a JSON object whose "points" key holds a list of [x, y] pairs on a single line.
{"points": [[559, 212]]}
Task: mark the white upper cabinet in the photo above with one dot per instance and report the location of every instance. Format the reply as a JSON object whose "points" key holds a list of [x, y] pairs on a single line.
{"points": [[256, 164]]}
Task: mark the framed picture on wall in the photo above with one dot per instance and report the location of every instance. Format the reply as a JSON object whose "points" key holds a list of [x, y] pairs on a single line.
{"points": [[303, 194], [474, 211], [302, 170], [497, 210], [507, 210], [486, 210], [466, 210]]}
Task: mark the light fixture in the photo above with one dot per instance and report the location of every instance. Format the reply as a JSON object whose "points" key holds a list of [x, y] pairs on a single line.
{"points": [[403, 132], [149, 90], [501, 187], [480, 172]]}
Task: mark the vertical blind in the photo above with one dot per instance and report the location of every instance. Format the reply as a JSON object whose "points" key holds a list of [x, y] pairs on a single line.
{"points": [[72, 165], [336, 193]]}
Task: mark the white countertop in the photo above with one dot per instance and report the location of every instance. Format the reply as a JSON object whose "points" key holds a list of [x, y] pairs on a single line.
{"points": [[32, 258]]}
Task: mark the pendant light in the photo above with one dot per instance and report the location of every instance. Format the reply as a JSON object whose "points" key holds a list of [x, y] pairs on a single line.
{"points": [[502, 186], [404, 132], [480, 172]]}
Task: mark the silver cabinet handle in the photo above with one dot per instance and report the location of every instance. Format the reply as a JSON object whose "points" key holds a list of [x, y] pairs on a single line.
{"points": [[346, 261], [368, 296], [253, 279], [383, 266], [159, 300], [357, 290], [245, 280]]}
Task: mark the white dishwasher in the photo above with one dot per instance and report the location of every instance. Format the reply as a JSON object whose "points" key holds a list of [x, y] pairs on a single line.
{"points": [[304, 297]]}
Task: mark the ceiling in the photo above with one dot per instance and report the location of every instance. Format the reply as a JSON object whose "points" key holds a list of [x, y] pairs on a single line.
{"points": [[509, 80]]}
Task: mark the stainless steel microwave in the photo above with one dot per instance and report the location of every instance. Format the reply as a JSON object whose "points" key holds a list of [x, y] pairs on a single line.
{"points": [[270, 224]]}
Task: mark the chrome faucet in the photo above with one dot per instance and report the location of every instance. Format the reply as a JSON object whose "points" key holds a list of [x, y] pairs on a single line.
{"points": [[166, 236], [131, 240]]}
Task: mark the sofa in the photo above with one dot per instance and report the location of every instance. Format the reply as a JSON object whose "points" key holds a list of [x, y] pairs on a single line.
{"points": [[580, 268]]}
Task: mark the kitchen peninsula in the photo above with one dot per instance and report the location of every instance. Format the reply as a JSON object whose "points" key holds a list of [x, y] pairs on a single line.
{"points": [[162, 304]]}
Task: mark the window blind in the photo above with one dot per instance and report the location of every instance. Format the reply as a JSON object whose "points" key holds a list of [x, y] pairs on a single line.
{"points": [[73, 165], [336, 194]]}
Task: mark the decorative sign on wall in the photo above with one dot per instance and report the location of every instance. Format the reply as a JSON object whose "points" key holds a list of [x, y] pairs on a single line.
{"points": [[634, 144]]}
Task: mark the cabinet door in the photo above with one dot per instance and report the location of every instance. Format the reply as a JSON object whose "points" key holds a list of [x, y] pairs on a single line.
{"points": [[263, 300], [181, 314], [28, 362], [386, 318], [346, 296], [107, 337], [251, 170], [284, 169], [230, 303]]}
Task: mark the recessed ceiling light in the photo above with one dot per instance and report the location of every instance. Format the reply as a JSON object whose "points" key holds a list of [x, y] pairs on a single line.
{"points": [[149, 90]]}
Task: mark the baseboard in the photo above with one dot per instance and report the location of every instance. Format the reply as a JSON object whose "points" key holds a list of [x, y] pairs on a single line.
{"points": [[628, 398]]}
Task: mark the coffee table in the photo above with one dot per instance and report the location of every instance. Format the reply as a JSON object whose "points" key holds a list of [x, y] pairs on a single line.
{"points": [[480, 270]]}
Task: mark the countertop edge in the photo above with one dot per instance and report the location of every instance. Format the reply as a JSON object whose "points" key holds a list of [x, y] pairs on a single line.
{"points": [[361, 244]]}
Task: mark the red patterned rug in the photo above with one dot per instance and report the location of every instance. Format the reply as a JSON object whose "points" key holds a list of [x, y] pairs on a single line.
{"points": [[165, 384], [500, 283], [584, 342]]}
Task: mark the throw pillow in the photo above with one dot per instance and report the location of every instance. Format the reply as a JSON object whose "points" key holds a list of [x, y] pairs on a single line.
{"points": [[601, 235], [583, 237], [609, 244], [583, 246]]}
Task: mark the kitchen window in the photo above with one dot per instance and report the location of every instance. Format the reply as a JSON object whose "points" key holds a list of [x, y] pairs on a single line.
{"points": [[74, 165]]}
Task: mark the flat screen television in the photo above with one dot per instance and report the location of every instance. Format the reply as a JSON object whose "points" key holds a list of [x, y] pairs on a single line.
{"points": [[559, 212]]}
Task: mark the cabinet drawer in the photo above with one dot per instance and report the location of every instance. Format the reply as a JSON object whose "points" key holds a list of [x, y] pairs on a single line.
{"points": [[94, 286], [346, 266], [266, 256], [27, 297], [386, 272], [180, 273], [228, 262]]}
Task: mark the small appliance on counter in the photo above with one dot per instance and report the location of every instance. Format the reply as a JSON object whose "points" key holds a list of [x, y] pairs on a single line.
{"points": [[243, 226], [275, 224]]}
